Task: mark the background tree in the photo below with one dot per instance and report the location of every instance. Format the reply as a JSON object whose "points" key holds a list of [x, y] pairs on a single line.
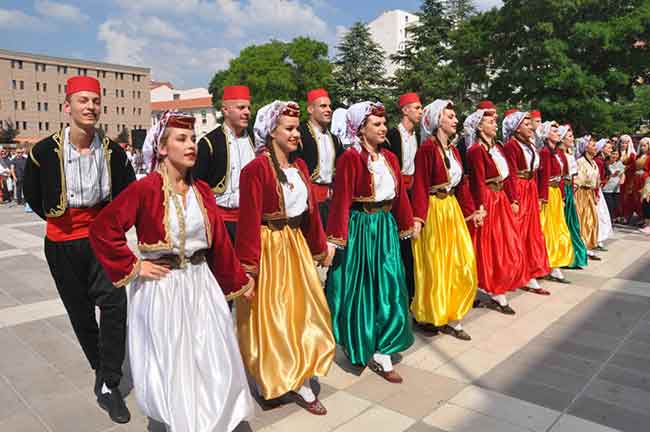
{"points": [[458, 11], [8, 132], [276, 70], [358, 68]]}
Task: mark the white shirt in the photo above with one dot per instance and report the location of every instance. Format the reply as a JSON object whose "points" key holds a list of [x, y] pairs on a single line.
{"points": [[294, 192], [455, 170], [573, 164], [326, 154], [240, 153], [87, 177], [500, 162], [409, 148], [529, 153], [382, 178]]}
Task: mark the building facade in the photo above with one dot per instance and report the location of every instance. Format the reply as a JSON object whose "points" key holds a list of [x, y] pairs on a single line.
{"points": [[194, 102], [391, 31], [165, 91], [32, 93]]}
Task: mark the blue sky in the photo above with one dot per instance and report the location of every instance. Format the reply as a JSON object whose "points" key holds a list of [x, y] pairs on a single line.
{"points": [[184, 41]]}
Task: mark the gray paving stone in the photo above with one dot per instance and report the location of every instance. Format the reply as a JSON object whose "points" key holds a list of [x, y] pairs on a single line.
{"points": [[579, 336], [623, 396], [610, 415], [423, 427], [9, 400], [22, 420], [536, 356], [35, 230], [636, 348], [638, 270], [625, 377], [72, 412], [5, 246], [642, 332], [571, 348], [628, 361]]}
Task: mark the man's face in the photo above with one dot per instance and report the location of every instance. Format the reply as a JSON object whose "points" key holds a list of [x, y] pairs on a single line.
{"points": [[3, 153], [535, 122], [84, 108], [237, 113], [320, 111], [413, 112]]}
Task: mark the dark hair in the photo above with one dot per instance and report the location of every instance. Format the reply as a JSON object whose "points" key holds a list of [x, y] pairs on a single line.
{"points": [[282, 177]]}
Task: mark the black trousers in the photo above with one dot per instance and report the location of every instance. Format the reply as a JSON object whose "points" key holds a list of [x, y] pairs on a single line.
{"points": [[231, 227], [19, 192], [82, 285], [645, 206], [612, 198], [324, 210]]}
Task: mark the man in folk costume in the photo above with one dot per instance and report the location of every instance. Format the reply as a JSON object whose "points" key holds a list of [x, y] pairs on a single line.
{"points": [[69, 177], [536, 123], [319, 148], [404, 141], [524, 162], [225, 151]]}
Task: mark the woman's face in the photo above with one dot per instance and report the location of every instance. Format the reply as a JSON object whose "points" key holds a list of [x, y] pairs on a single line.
{"points": [[525, 129], [179, 149], [553, 136], [569, 139], [374, 131], [643, 147], [488, 127], [591, 148], [448, 122], [286, 134]]}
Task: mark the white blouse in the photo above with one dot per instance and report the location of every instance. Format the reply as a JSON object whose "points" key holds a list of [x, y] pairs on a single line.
{"points": [[455, 170], [573, 165], [382, 178], [500, 162], [295, 193], [529, 152], [409, 148]]}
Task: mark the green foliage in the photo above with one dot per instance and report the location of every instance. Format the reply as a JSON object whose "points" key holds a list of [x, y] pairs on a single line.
{"points": [[8, 132], [276, 70]]}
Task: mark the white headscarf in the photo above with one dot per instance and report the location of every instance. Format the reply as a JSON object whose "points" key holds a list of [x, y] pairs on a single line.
{"points": [[581, 145], [545, 128], [431, 117], [151, 145], [600, 145], [338, 126], [267, 119], [470, 127], [630, 144], [563, 130], [355, 117], [511, 123]]}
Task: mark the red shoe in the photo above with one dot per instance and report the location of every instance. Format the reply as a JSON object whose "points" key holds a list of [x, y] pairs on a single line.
{"points": [[315, 407], [390, 376]]}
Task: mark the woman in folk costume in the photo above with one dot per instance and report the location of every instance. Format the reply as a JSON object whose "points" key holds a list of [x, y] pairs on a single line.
{"points": [[186, 366], [603, 149], [339, 127], [443, 254], [366, 287], [630, 198], [285, 332], [587, 182], [549, 182], [565, 150], [523, 163], [499, 256]]}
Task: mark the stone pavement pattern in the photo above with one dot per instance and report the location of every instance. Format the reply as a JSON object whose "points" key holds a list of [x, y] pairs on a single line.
{"points": [[576, 361]]}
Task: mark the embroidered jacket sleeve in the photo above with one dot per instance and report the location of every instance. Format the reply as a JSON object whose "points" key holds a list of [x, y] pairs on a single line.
{"points": [[602, 172], [251, 209], [463, 193], [544, 173], [107, 236], [422, 182], [402, 211], [476, 161], [32, 184], [339, 214], [312, 226], [510, 183]]}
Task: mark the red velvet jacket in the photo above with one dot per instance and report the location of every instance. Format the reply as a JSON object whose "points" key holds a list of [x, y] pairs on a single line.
{"points": [[565, 170], [432, 173], [145, 204], [353, 183], [549, 167], [263, 200], [483, 170], [516, 163], [602, 168]]}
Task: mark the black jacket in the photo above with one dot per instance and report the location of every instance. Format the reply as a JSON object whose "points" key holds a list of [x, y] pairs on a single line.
{"points": [[394, 142], [308, 149], [44, 186]]}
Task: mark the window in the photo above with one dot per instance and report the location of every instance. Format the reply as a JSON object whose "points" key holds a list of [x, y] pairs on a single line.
{"points": [[204, 121], [122, 110], [59, 88], [47, 126], [40, 126], [65, 88], [65, 69], [105, 109], [177, 96], [122, 93], [124, 127], [138, 94], [139, 111], [20, 66], [67, 125], [78, 71], [13, 64], [14, 84], [60, 107], [44, 87], [24, 123], [133, 94], [36, 67], [97, 74], [45, 106], [58, 69], [104, 92], [22, 105], [117, 110], [61, 125], [38, 106], [117, 93], [104, 76], [22, 85], [15, 105], [134, 112], [38, 86], [121, 76], [116, 75]]}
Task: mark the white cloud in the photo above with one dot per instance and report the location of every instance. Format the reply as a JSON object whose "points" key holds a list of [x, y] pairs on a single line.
{"points": [[60, 11], [12, 18], [482, 5], [156, 27], [121, 44]]}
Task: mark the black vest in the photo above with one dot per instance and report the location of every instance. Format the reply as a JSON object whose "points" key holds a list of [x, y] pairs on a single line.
{"points": [[394, 143], [308, 149], [44, 187]]}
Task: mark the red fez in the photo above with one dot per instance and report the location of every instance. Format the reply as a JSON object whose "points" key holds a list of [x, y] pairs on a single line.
{"points": [[486, 105], [510, 111], [237, 92], [82, 83], [536, 114], [312, 95], [408, 98]]}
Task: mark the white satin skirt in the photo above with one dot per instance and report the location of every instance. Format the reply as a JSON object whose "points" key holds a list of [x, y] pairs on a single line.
{"points": [[185, 361], [604, 220]]}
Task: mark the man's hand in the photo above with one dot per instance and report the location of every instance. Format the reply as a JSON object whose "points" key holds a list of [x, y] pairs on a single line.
{"points": [[515, 208], [153, 271], [249, 294]]}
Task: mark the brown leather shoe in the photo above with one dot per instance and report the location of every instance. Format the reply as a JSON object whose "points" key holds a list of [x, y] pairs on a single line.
{"points": [[315, 407], [458, 334], [391, 376], [539, 291]]}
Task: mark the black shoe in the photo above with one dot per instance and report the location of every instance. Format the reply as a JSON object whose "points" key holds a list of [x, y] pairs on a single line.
{"points": [[496, 306], [458, 334], [98, 384], [426, 327], [594, 257], [557, 279], [114, 404], [601, 248]]}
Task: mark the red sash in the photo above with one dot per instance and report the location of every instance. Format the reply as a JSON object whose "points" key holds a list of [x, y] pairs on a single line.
{"points": [[321, 192], [408, 181], [72, 225], [229, 214]]}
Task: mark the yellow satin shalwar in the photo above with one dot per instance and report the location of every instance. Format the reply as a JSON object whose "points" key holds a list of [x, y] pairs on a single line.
{"points": [[285, 332], [444, 264], [556, 232]]}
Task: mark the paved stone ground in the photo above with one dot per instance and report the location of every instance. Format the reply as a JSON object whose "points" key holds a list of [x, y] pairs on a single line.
{"points": [[576, 361]]}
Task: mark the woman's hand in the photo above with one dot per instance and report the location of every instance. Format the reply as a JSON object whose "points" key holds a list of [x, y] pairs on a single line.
{"points": [[417, 229], [249, 294], [515, 208], [329, 258], [153, 271]]}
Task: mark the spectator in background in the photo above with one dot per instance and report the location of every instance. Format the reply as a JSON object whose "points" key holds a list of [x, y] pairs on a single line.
{"points": [[612, 189], [5, 177], [18, 173]]}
